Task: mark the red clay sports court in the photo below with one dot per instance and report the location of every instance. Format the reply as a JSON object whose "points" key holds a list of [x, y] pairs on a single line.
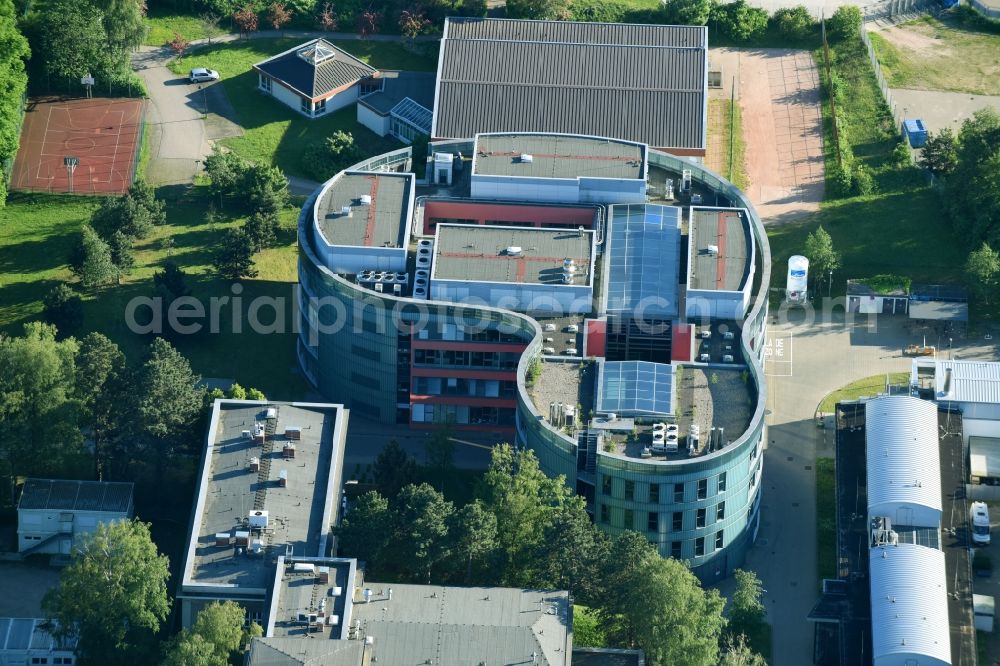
{"points": [[104, 134]]}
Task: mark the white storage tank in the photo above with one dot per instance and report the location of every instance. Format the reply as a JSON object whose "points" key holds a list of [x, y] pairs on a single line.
{"points": [[798, 278]]}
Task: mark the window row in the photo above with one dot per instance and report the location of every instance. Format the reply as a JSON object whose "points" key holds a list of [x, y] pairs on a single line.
{"points": [[482, 388], [461, 415], [676, 518], [471, 359], [655, 494]]}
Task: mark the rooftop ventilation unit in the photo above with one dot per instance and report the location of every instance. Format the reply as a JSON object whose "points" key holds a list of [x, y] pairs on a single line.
{"points": [[283, 478], [257, 520], [712, 250], [366, 200], [346, 210], [514, 251], [525, 158]]}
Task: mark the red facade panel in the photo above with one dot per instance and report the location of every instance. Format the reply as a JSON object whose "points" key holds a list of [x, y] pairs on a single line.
{"points": [[682, 342], [479, 212], [597, 337]]}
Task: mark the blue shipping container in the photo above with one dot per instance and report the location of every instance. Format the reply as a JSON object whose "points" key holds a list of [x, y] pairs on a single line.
{"points": [[915, 132]]}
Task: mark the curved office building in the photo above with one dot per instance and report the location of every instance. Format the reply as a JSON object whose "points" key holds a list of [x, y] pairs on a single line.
{"points": [[597, 301]]}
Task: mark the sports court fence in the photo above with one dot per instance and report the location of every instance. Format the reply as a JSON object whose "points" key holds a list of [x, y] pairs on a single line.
{"points": [[139, 143]]}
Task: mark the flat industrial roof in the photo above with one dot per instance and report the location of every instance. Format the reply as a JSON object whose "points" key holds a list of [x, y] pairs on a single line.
{"points": [[299, 514], [300, 591], [28, 633], [466, 625], [480, 254], [51, 494], [641, 83], [727, 266], [382, 223], [557, 156]]}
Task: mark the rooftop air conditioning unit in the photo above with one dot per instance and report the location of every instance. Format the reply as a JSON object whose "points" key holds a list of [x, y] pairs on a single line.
{"points": [[514, 251], [346, 210], [257, 520], [526, 158], [366, 200], [379, 287], [283, 478], [713, 250]]}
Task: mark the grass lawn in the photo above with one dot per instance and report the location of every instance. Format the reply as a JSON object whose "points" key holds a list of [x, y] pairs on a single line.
{"points": [[38, 231], [933, 54], [826, 520], [868, 386], [163, 23], [274, 133], [735, 170], [902, 229]]}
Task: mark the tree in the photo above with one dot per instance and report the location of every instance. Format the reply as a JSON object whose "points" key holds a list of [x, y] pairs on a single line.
{"points": [[628, 551], [440, 449], [982, 270], [473, 533], [72, 39], [210, 25], [326, 19], [124, 25], [746, 610], [237, 392], [38, 411], [170, 283], [736, 652], [572, 553], [794, 22], [675, 621], [234, 257], [974, 187], [474, 8], [412, 22], [598, 11], [740, 21], [823, 259], [102, 387], [190, 649], [278, 15], [63, 308], [368, 22], [394, 468], [179, 44], [221, 625], [226, 171], [113, 596], [167, 404], [255, 394], [844, 24], [940, 154], [266, 189], [14, 82], [91, 259], [421, 535], [134, 214], [245, 19], [689, 12], [262, 230], [366, 530], [525, 502], [120, 246], [323, 160], [538, 9]]}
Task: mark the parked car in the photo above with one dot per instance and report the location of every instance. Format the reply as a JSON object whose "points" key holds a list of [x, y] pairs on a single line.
{"points": [[548, 350], [548, 328], [979, 516], [200, 75], [572, 328]]}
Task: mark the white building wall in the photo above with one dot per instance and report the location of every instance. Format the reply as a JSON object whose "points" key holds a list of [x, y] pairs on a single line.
{"points": [[34, 526], [342, 99], [507, 188], [373, 121], [343, 259], [293, 100], [612, 190], [517, 297], [286, 96], [716, 304]]}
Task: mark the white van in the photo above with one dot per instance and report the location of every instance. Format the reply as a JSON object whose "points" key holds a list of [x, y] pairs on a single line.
{"points": [[979, 517]]}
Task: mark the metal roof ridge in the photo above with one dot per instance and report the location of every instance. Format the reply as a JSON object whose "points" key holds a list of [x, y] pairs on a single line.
{"points": [[563, 43]]}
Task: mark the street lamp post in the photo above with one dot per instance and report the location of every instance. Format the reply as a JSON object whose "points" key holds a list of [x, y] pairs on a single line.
{"points": [[829, 290]]}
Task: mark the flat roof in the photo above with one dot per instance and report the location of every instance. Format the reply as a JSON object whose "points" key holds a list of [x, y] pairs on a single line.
{"points": [[28, 633], [51, 494], [562, 76], [299, 514], [466, 625], [300, 590], [643, 262], [557, 156], [382, 223], [480, 254], [966, 381], [726, 266]]}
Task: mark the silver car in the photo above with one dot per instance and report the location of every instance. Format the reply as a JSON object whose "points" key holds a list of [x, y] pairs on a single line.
{"points": [[200, 75]]}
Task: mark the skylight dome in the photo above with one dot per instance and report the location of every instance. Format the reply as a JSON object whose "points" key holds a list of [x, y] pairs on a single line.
{"points": [[316, 53]]}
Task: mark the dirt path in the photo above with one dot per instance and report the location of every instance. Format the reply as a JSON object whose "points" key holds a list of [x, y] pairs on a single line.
{"points": [[782, 128]]}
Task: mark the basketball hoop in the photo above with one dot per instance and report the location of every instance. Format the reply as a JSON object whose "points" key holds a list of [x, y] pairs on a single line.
{"points": [[71, 163]]}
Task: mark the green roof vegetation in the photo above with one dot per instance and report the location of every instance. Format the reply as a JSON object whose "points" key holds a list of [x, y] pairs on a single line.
{"points": [[887, 283]]}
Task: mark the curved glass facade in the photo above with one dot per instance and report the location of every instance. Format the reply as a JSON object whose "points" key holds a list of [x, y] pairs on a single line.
{"points": [[704, 510]]}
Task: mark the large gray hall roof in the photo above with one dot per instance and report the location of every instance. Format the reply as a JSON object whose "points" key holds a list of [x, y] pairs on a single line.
{"points": [[640, 83]]}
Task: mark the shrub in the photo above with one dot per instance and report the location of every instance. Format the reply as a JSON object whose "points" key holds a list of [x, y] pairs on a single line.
{"points": [[793, 22], [841, 180], [323, 160], [901, 155], [844, 24], [863, 183], [739, 21], [599, 11]]}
